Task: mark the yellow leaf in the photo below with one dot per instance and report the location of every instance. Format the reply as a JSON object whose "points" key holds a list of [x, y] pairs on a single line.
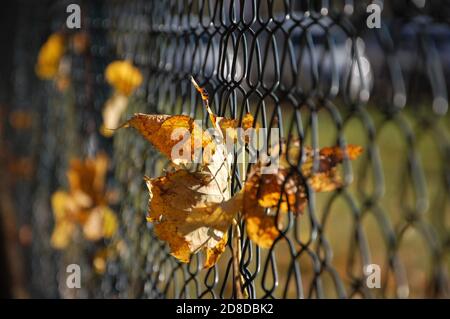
{"points": [[49, 56], [286, 189], [110, 223], [88, 177], [62, 234], [229, 126], [85, 204], [100, 260], [101, 223], [123, 77], [193, 210], [213, 254], [59, 200], [167, 131], [268, 190], [261, 229]]}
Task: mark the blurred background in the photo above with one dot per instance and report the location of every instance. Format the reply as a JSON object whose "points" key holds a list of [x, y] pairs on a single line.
{"points": [[313, 68]]}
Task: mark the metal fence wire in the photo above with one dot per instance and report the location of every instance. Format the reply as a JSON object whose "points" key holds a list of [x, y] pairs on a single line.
{"points": [[312, 68]]}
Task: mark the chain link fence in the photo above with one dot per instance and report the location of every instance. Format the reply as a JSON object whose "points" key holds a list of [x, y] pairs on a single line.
{"points": [[312, 68]]}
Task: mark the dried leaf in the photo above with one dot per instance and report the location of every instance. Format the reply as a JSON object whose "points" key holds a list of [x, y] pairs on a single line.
{"points": [[269, 189], [167, 131], [101, 223], [62, 234], [49, 56], [229, 126], [287, 190], [85, 203], [123, 77], [192, 211], [213, 254], [261, 228], [100, 260]]}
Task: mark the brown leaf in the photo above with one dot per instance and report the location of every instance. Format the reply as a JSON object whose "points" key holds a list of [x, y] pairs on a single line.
{"points": [[261, 228], [229, 126], [213, 254], [287, 190], [85, 203], [192, 211], [166, 131]]}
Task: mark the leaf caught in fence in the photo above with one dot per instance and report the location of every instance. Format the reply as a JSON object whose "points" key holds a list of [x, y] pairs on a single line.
{"points": [[192, 210], [287, 190], [165, 132]]}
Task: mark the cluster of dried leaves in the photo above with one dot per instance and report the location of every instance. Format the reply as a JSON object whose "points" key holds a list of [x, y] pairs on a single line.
{"points": [[192, 210], [84, 208], [85, 205]]}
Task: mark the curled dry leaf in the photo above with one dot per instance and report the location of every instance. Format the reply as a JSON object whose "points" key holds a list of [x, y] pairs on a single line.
{"points": [[84, 205], [192, 211]]}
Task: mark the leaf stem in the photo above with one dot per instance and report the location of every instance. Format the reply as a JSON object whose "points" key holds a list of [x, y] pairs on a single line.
{"points": [[236, 247]]}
